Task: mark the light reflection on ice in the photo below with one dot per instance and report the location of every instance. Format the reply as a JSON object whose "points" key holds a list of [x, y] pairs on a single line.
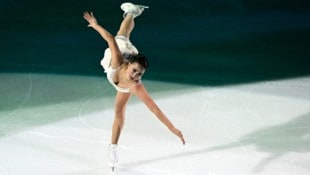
{"points": [[259, 128]]}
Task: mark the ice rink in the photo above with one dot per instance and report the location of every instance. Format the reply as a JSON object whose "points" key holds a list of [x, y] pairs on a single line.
{"points": [[234, 76], [60, 125]]}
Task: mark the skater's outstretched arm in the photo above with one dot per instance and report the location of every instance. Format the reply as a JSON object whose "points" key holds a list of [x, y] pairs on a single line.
{"points": [[117, 59], [140, 91]]}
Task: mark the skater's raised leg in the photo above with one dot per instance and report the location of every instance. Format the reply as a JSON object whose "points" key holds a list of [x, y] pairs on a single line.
{"points": [[126, 26], [131, 11]]}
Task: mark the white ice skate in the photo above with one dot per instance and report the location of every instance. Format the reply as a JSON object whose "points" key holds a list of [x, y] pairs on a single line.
{"points": [[134, 9], [112, 156]]}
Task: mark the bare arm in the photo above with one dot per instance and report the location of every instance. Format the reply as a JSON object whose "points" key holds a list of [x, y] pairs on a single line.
{"points": [[117, 59], [143, 95]]}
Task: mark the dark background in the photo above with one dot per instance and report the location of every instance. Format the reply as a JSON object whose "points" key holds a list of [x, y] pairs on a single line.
{"points": [[206, 42]]}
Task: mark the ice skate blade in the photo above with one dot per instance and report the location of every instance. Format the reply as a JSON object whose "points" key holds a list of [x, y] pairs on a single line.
{"points": [[142, 6], [113, 170]]}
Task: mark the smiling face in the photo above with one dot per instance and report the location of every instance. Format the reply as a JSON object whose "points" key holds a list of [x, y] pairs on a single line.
{"points": [[134, 72]]}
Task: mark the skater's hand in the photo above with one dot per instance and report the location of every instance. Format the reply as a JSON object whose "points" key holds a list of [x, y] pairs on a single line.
{"points": [[178, 133], [90, 18]]}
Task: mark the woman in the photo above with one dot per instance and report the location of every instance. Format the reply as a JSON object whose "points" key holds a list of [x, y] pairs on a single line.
{"points": [[124, 67]]}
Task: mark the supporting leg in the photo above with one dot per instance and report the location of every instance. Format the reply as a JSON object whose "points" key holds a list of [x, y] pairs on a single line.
{"points": [[118, 124], [119, 119]]}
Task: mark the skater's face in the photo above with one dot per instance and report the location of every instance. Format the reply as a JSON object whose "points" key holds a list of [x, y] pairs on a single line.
{"points": [[135, 72]]}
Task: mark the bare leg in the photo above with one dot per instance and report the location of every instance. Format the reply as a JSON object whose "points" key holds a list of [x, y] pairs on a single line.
{"points": [[126, 26], [119, 119]]}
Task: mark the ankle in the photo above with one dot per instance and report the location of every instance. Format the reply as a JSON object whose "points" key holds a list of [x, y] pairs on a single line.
{"points": [[129, 15], [113, 145]]}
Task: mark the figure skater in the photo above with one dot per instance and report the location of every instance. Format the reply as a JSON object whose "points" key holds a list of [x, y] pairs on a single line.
{"points": [[124, 67]]}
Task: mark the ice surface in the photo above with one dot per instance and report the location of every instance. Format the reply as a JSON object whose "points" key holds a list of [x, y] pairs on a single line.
{"points": [[55, 124]]}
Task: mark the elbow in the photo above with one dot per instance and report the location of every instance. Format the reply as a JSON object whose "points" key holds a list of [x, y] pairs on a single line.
{"points": [[110, 39]]}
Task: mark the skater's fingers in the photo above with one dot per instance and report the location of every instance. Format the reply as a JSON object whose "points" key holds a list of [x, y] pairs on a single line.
{"points": [[86, 14], [183, 141], [182, 138], [179, 134]]}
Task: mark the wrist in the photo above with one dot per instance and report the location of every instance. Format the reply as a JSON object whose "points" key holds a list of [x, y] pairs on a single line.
{"points": [[96, 26], [170, 127]]}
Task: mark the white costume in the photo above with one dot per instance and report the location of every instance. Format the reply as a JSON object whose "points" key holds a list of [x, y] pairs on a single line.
{"points": [[126, 47]]}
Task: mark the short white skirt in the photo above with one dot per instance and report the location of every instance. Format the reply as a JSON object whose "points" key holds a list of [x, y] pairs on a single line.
{"points": [[124, 45]]}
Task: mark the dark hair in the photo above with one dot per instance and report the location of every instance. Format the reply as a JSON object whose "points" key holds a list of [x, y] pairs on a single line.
{"points": [[138, 58]]}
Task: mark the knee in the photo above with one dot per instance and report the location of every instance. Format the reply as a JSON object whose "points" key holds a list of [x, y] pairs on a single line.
{"points": [[119, 112]]}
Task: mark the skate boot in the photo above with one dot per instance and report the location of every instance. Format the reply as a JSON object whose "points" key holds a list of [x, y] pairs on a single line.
{"points": [[112, 156], [134, 9]]}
